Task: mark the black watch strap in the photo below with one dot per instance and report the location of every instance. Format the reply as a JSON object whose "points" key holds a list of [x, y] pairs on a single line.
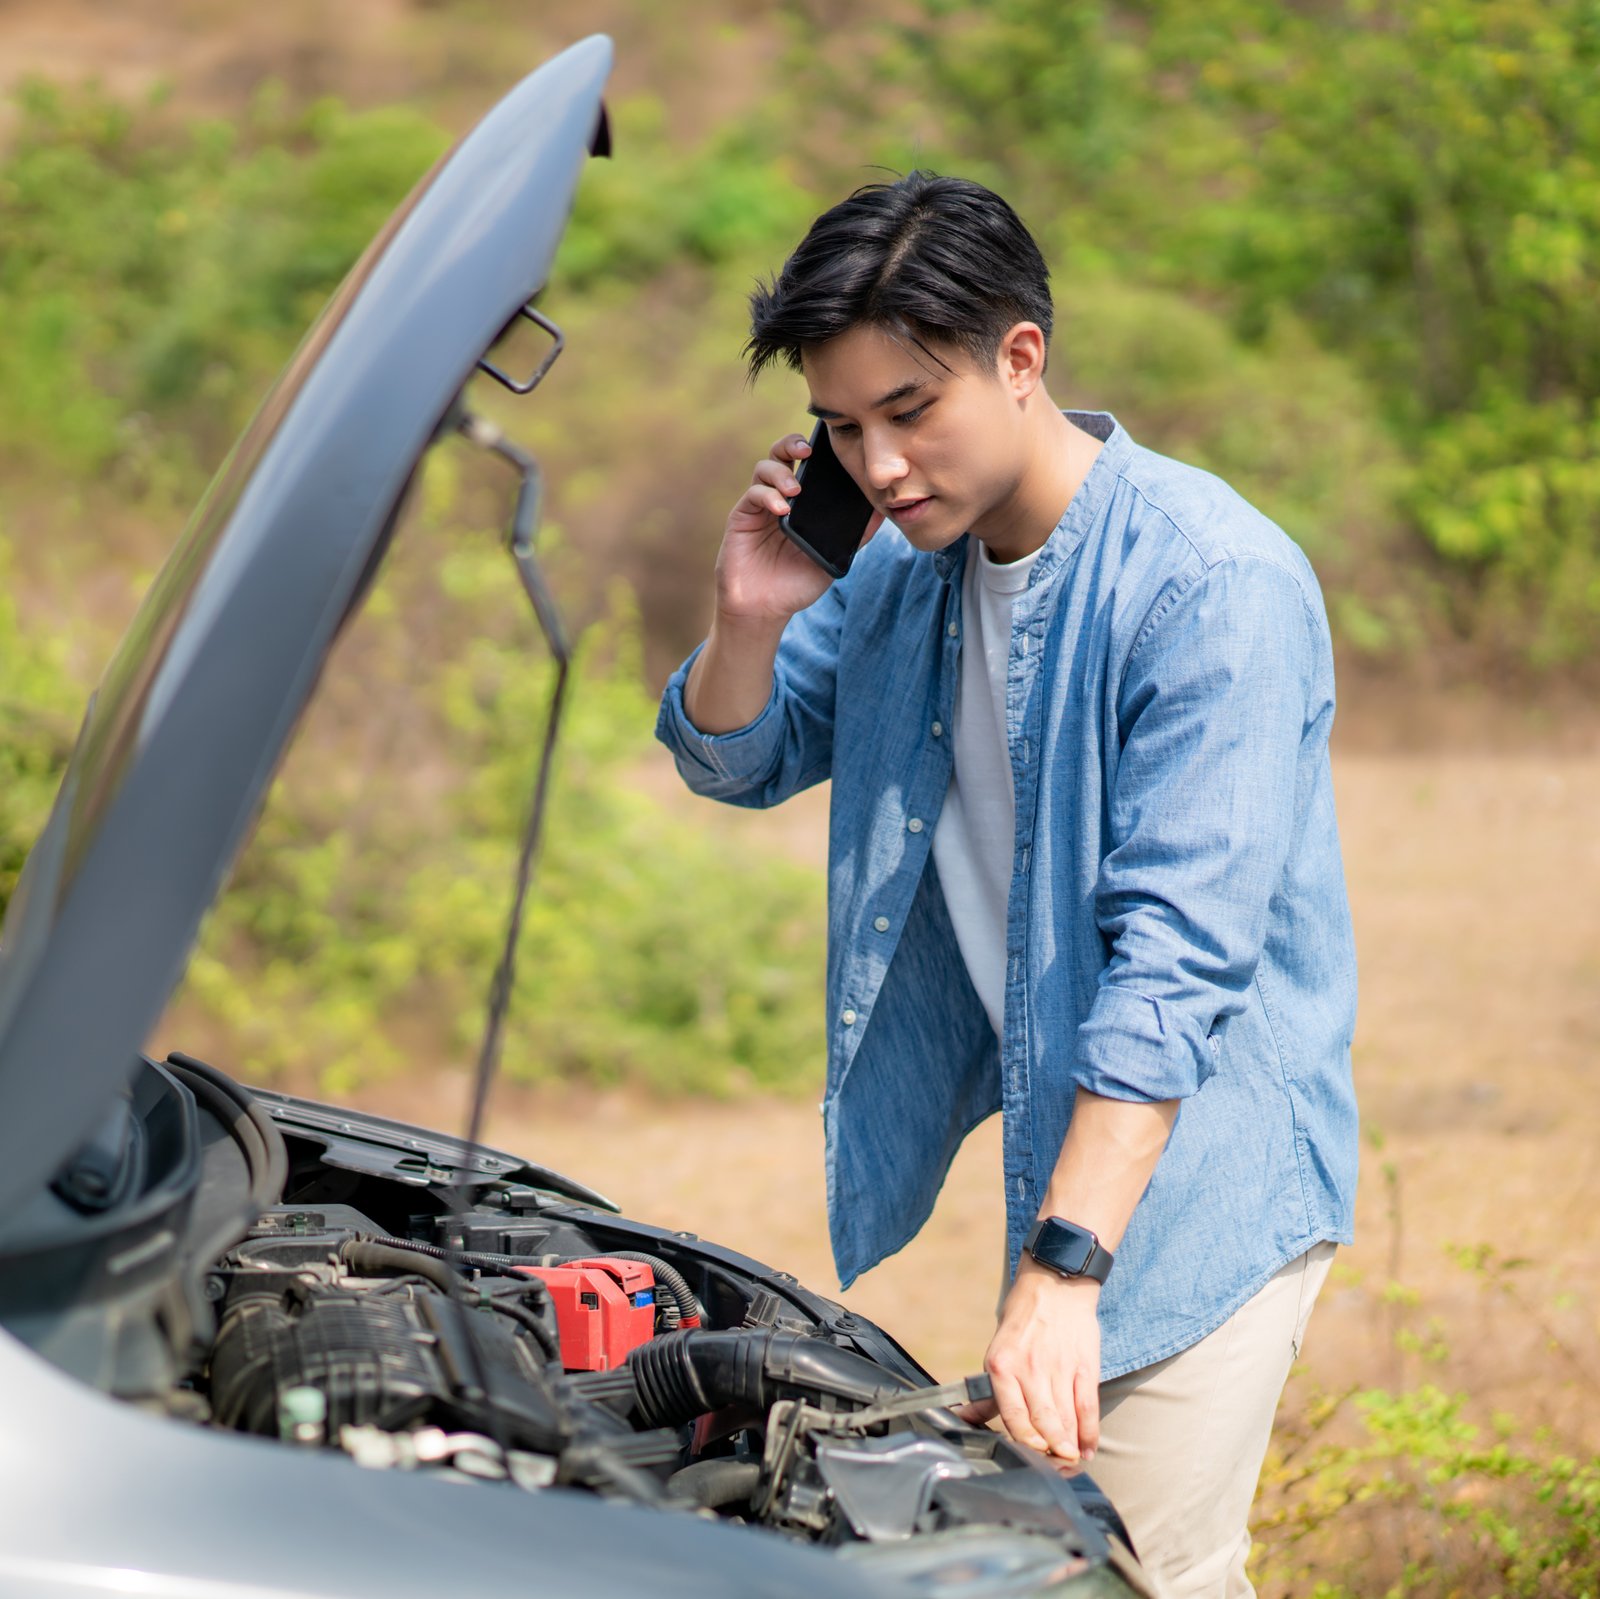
{"points": [[1068, 1249]]}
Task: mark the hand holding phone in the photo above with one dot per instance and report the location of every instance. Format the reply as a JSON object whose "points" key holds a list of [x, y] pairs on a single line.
{"points": [[767, 570], [829, 519], [762, 574]]}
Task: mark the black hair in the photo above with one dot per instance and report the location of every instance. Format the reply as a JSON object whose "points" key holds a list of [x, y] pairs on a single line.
{"points": [[926, 257]]}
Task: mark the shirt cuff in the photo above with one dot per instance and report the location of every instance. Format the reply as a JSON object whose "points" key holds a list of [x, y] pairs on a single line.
{"points": [[1135, 1047], [746, 754]]}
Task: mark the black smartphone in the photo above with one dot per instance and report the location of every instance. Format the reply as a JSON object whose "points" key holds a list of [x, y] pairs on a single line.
{"points": [[830, 514]]}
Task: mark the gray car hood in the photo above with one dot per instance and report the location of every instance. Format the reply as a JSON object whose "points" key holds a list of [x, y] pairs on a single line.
{"points": [[183, 736]]}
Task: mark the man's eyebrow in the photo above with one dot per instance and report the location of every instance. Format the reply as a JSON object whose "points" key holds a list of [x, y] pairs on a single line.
{"points": [[900, 393]]}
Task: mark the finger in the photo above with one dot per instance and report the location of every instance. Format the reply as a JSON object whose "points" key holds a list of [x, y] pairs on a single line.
{"points": [[1086, 1399], [976, 1412], [791, 447], [1055, 1424], [1014, 1412], [777, 475], [760, 500]]}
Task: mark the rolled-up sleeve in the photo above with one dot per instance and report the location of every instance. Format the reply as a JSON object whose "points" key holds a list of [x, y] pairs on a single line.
{"points": [[789, 746], [1212, 711]]}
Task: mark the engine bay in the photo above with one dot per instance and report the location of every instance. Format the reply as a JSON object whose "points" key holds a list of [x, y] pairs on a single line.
{"points": [[339, 1283], [509, 1356]]}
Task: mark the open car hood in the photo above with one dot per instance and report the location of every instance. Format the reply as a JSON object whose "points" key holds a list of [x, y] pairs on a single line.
{"points": [[188, 726]]}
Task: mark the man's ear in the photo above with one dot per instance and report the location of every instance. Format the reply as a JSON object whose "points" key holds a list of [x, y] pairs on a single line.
{"points": [[1021, 358]]}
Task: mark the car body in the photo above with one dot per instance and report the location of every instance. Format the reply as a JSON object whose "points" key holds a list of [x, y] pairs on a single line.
{"points": [[253, 1345]]}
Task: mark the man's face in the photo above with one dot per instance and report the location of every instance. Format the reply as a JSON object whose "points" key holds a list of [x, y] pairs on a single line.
{"points": [[934, 447]]}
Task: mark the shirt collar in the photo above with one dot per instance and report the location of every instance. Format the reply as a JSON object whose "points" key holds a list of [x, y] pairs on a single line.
{"points": [[1087, 506]]}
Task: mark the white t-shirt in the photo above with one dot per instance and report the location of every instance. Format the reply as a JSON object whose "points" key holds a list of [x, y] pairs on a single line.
{"points": [[973, 843]]}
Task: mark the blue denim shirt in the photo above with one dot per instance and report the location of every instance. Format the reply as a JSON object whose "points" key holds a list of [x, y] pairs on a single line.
{"points": [[1177, 924]]}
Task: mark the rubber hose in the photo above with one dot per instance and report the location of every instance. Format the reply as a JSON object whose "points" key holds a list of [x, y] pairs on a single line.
{"points": [[367, 1256], [477, 1259], [688, 1304], [277, 1174], [683, 1375], [716, 1483], [542, 1335], [240, 1127]]}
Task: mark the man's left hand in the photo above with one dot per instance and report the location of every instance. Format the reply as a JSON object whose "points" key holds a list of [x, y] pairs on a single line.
{"points": [[1044, 1362]]}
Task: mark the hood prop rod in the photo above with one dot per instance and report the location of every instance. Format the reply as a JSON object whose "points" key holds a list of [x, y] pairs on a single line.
{"points": [[524, 525], [520, 541]]}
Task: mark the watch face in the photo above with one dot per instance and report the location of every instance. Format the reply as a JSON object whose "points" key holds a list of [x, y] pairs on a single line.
{"points": [[1072, 1249], [1062, 1246]]}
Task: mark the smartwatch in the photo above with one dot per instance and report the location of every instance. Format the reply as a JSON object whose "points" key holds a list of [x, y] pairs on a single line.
{"points": [[1068, 1249]]}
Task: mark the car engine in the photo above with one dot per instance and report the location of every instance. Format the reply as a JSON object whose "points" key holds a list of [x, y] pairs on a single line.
{"points": [[341, 1283]]}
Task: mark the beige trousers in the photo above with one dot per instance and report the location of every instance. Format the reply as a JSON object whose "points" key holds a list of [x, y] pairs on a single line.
{"points": [[1182, 1441]]}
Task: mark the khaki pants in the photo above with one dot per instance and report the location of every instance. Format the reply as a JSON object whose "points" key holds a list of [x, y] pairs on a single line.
{"points": [[1182, 1441]]}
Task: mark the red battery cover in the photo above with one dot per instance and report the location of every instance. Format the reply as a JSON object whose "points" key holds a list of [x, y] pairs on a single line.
{"points": [[603, 1309]]}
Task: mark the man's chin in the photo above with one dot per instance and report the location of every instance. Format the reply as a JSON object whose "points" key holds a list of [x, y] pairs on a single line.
{"points": [[932, 533]]}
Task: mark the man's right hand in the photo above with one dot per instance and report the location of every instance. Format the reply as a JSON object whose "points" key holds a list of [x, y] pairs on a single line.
{"points": [[762, 580], [761, 575]]}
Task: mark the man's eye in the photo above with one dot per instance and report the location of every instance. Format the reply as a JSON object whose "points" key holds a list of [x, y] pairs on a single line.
{"points": [[839, 429], [912, 415]]}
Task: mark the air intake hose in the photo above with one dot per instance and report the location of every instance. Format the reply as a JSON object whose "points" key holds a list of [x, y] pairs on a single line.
{"points": [[684, 1375]]}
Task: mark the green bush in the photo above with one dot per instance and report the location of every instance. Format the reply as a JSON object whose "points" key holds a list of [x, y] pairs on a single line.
{"points": [[167, 270], [1511, 492], [1418, 1488]]}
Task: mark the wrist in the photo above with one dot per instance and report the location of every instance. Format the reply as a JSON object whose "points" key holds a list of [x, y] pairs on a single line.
{"points": [[730, 627], [1051, 1282]]}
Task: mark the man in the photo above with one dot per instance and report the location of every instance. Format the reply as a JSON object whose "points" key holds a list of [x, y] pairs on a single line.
{"points": [[1074, 700]]}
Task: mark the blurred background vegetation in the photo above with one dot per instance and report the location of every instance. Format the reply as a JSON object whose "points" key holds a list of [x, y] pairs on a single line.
{"points": [[1344, 253]]}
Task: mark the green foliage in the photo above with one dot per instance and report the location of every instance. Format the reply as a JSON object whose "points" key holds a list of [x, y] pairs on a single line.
{"points": [[1343, 255], [1284, 421], [358, 935], [39, 707], [169, 271], [1416, 1490], [657, 209], [1512, 491], [1417, 185], [1400, 201], [1503, 1514]]}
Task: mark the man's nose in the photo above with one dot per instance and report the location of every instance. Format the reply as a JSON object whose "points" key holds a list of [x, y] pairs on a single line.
{"points": [[885, 465]]}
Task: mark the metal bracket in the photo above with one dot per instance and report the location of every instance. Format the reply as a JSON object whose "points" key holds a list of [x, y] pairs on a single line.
{"points": [[540, 321]]}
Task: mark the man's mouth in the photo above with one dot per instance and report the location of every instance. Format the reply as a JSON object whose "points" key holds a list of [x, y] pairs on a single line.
{"points": [[908, 508]]}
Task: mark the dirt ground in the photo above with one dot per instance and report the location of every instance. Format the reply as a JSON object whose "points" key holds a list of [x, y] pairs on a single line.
{"points": [[1475, 885]]}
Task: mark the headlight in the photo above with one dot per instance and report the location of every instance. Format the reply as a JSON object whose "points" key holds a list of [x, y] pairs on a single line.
{"points": [[980, 1563]]}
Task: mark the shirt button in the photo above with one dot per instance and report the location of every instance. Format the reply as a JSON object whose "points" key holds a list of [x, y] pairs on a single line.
{"points": [[938, 729], [881, 923], [848, 1018], [951, 630], [914, 825]]}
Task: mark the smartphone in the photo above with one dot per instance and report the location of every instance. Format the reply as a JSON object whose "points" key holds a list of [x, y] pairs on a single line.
{"points": [[829, 516]]}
